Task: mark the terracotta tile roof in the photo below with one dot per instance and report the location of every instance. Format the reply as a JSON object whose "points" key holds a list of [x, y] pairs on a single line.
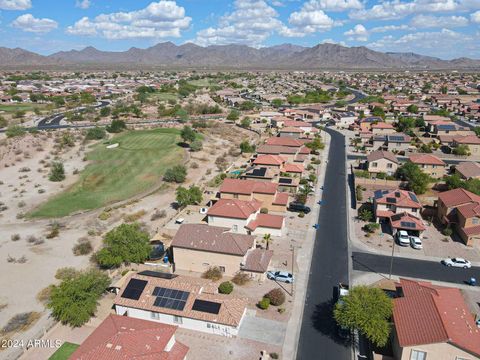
{"points": [[456, 197], [384, 213], [294, 168], [468, 139], [292, 123], [398, 138], [266, 221], [399, 221], [380, 154], [304, 150], [382, 125], [426, 159], [216, 239], [469, 210], [276, 160], [468, 169], [290, 130], [234, 208], [472, 230], [428, 314], [430, 118], [402, 198], [277, 149], [284, 141], [281, 198], [258, 260], [126, 338], [247, 187], [231, 311]]}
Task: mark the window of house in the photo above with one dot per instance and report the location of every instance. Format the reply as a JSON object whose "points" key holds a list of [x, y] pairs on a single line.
{"points": [[235, 196], [418, 355], [209, 325], [461, 358], [177, 319], [234, 228], [374, 164], [155, 316], [222, 268], [389, 166], [475, 221], [414, 210]]}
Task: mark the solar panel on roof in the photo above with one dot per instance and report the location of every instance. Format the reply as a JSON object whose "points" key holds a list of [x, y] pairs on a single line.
{"points": [[157, 274], [396, 138], [206, 306], [259, 172], [391, 200], [285, 181], [396, 217], [407, 224], [134, 289], [170, 298], [413, 197]]}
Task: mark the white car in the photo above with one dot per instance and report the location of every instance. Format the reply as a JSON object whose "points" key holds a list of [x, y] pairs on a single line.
{"points": [[179, 221], [402, 238], [416, 243], [457, 262], [282, 276]]}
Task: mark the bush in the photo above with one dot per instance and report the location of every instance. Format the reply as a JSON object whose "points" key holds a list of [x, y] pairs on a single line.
{"points": [[176, 174], [116, 126], [447, 231], [66, 273], [14, 131], [263, 211], [240, 278], [213, 273], [225, 287], [371, 227], [264, 303], [158, 214], [15, 237], [196, 145], [276, 296], [95, 133], [301, 214], [57, 172], [82, 247]]}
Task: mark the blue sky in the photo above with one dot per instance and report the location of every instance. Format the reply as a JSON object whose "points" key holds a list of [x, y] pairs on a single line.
{"points": [[443, 28]]}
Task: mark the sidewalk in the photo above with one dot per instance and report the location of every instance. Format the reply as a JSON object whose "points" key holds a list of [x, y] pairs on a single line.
{"points": [[304, 259]]}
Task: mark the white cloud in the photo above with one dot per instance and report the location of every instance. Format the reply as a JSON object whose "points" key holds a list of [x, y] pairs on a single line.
{"points": [[387, 28], [332, 5], [15, 4], [430, 21], [395, 9], [82, 4], [250, 23], [29, 23], [358, 33], [158, 20], [475, 17], [437, 43], [331, 41]]}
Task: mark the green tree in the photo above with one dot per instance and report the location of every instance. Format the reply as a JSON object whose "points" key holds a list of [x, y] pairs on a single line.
{"points": [[126, 243], [15, 130], [3, 122], [57, 172], [277, 102], [96, 133], [461, 150], [188, 134], [116, 126], [267, 238], [182, 115], [246, 147], [246, 122], [412, 109], [365, 215], [315, 145], [367, 310], [105, 111], [247, 106], [378, 111], [190, 196], [233, 115], [418, 181], [75, 300], [176, 174], [477, 130]]}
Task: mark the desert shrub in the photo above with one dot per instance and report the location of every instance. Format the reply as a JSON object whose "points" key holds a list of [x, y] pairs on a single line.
{"points": [[57, 172], [371, 227], [213, 273], [158, 214], [105, 215], [263, 211], [43, 295], [447, 231], [66, 273], [264, 303], [274, 355], [240, 278], [21, 322], [95, 133], [53, 233], [276, 296], [15, 237], [82, 247], [134, 217], [225, 287], [301, 214], [175, 174]]}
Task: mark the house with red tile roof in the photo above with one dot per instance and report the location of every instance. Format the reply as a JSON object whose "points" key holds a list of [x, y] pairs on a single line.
{"points": [[291, 132], [472, 141], [187, 302], [244, 217], [460, 209], [122, 337], [382, 162], [433, 322], [400, 209], [429, 164], [265, 192], [293, 169], [382, 128], [468, 170], [285, 141], [272, 161], [197, 247]]}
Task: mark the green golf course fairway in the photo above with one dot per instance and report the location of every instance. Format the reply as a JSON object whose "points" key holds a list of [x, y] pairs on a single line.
{"points": [[136, 165]]}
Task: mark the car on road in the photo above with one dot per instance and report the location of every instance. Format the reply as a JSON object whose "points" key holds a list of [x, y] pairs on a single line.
{"points": [[281, 276], [298, 207], [402, 238], [457, 262], [416, 243], [180, 221]]}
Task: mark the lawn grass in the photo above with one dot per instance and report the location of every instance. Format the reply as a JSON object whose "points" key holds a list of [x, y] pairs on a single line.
{"points": [[160, 96], [20, 107], [135, 166], [64, 351], [202, 82]]}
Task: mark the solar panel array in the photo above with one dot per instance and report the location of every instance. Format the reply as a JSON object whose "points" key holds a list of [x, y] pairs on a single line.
{"points": [[379, 193], [134, 289], [413, 197], [396, 217], [206, 306], [396, 138], [391, 200], [170, 298], [158, 274], [407, 224]]}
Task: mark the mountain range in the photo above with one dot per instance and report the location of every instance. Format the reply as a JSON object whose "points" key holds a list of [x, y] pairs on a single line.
{"points": [[189, 55]]}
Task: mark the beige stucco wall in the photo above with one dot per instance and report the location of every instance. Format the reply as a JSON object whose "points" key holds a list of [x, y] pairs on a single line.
{"points": [[199, 261], [382, 166], [230, 223], [397, 210], [398, 146], [265, 199], [435, 171]]}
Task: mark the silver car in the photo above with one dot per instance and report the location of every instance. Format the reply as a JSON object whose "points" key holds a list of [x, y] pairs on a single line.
{"points": [[281, 276]]}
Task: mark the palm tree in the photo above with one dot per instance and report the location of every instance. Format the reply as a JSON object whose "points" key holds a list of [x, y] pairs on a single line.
{"points": [[267, 238]]}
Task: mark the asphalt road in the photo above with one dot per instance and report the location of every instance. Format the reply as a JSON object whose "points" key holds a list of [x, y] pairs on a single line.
{"points": [[421, 269], [318, 335], [53, 121], [447, 161]]}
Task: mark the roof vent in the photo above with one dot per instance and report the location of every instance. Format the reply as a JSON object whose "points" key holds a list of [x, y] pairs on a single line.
{"points": [[109, 346], [118, 347]]}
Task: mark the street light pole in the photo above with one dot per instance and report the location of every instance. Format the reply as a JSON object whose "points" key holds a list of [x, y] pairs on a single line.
{"points": [[391, 260]]}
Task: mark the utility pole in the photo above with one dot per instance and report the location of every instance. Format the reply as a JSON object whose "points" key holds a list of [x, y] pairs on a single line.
{"points": [[293, 264], [391, 260]]}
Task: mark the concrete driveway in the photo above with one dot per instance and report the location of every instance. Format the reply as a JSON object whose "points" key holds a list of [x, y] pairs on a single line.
{"points": [[263, 330]]}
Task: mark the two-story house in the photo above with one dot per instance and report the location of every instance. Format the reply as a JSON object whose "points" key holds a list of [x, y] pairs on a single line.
{"points": [[429, 164], [382, 162]]}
